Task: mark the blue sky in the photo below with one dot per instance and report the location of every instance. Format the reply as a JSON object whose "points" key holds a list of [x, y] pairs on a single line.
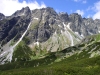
{"points": [[86, 8], [71, 6]]}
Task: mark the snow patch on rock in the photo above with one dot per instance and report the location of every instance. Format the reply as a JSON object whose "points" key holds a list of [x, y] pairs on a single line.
{"points": [[66, 30], [36, 18], [36, 43]]}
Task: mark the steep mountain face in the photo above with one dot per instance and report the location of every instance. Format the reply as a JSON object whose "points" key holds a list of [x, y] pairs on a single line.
{"points": [[41, 31], [2, 16], [26, 12], [84, 26], [50, 31], [14, 26]]}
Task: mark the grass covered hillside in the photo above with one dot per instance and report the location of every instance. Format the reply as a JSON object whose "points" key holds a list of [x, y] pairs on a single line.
{"points": [[81, 59]]}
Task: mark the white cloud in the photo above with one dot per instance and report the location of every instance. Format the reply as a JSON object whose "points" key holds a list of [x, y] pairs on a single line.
{"points": [[83, 1], [89, 16], [8, 7], [81, 12], [97, 15], [76, 0], [97, 10]]}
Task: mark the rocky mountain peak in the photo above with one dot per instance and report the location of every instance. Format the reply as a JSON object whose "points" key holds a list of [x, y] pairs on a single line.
{"points": [[49, 13], [75, 17], [23, 12], [49, 10], [2, 16], [64, 16]]}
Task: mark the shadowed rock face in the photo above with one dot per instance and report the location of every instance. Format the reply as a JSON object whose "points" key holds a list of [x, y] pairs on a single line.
{"points": [[41, 21], [2, 16], [15, 25], [64, 17]]}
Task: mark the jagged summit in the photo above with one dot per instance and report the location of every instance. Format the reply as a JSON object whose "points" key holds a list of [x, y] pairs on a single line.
{"points": [[64, 16], [23, 12]]}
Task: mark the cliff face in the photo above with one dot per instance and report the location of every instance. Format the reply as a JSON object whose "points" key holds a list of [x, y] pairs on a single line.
{"points": [[14, 26], [2, 16]]}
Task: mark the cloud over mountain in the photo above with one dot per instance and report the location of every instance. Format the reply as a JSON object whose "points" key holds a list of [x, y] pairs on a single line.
{"points": [[8, 7], [96, 8], [81, 12]]}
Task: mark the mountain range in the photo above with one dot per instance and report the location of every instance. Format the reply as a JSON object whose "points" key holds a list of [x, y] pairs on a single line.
{"points": [[43, 38]]}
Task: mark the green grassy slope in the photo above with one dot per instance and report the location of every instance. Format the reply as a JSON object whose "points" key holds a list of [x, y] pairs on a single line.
{"points": [[70, 66], [82, 59]]}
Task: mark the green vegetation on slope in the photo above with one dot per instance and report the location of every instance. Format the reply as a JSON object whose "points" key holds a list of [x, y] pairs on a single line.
{"points": [[69, 66], [76, 60], [22, 52]]}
